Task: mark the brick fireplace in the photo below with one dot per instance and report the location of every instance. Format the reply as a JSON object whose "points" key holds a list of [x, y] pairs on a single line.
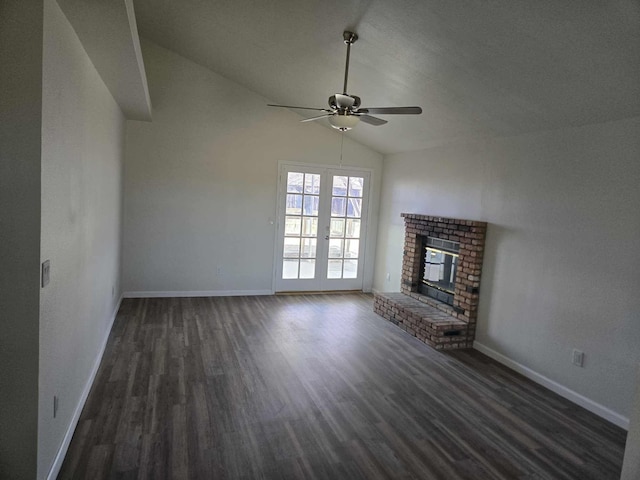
{"points": [[447, 318]]}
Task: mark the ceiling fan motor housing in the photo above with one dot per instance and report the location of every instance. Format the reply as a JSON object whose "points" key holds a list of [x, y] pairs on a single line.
{"points": [[341, 102]]}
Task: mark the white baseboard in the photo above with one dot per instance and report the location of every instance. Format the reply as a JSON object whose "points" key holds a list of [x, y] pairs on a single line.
{"points": [[64, 446], [561, 390], [197, 293]]}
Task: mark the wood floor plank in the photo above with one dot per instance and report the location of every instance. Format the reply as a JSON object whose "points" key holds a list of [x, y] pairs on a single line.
{"points": [[317, 387]]}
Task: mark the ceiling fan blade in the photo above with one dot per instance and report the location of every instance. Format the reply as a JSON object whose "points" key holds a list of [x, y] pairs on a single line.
{"points": [[301, 108], [392, 110], [372, 120], [316, 118]]}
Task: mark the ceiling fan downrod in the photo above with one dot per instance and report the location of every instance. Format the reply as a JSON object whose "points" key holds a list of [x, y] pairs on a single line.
{"points": [[349, 38]]}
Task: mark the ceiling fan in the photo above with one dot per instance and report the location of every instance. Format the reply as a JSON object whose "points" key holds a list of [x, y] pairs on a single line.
{"points": [[344, 110]]}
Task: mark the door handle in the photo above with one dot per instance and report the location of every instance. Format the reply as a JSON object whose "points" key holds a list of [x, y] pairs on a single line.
{"points": [[326, 237]]}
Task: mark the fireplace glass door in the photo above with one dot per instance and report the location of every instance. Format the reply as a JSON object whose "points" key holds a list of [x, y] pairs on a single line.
{"points": [[439, 266]]}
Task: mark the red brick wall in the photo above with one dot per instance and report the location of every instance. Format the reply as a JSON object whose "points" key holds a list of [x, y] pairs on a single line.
{"points": [[471, 236]]}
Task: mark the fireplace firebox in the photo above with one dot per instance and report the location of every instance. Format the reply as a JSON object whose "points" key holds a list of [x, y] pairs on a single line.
{"points": [[439, 265]]}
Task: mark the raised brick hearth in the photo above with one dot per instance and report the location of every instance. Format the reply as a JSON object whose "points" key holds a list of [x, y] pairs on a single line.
{"points": [[435, 323]]}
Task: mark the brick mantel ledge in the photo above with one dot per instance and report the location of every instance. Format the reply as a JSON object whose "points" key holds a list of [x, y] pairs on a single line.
{"points": [[455, 221]]}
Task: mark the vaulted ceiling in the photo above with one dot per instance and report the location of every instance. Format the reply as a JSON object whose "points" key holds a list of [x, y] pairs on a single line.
{"points": [[478, 68]]}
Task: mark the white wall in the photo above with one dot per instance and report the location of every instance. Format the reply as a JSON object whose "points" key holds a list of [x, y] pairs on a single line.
{"points": [[20, 124], [200, 180], [562, 259], [82, 154]]}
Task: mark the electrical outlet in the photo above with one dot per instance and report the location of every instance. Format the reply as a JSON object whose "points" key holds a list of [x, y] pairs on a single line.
{"points": [[577, 358], [388, 277], [219, 271], [55, 406], [45, 273]]}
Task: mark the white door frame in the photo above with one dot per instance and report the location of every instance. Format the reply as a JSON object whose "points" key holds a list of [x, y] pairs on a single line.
{"points": [[366, 217]]}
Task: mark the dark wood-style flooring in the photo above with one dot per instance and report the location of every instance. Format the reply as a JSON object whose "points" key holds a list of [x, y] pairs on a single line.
{"points": [[317, 387]]}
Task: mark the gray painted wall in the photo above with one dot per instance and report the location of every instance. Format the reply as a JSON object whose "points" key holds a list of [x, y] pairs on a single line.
{"points": [[562, 258], [82, 154], [20, 114], [200, 181]]}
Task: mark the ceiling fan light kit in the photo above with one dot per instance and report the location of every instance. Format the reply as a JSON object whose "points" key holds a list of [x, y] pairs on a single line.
{"points": [[344, 122], [344, 110]]}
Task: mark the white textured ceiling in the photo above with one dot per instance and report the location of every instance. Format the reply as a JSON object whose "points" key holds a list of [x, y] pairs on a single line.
{"points": [[476, 67]]}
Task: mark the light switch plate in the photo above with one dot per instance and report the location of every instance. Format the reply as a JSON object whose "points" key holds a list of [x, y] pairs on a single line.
{"points": [[46, 268], [577, 358]]}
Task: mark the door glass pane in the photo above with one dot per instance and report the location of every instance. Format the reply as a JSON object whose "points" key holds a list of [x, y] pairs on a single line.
{"points": [[309, 248], [337, 227], [291, 247], [312, 183], [338, 206], [292, 226], [340, 186], [290, 268], [294, 204], [335, 247], [294, 182], [351, 248], [355, 186], [353, 228], [350, 269], [307, 268], [311, 203], [354, 208], [334, 269], [309, 226]]}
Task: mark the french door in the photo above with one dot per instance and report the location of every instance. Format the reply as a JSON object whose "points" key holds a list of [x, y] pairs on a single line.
{"points": [[322, 225]]}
